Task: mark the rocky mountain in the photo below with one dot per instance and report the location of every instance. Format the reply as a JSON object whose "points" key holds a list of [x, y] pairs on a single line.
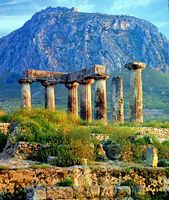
{"points": [[62, 39]]}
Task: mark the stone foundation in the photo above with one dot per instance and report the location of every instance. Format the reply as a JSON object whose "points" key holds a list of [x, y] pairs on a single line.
{"points": [[88, 181], [4, 127]]}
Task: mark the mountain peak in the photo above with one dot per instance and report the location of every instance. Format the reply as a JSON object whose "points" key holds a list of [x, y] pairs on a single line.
{"points": [[62, 39]]}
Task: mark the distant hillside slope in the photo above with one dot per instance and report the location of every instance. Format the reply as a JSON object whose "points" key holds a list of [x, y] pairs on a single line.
{"points": [[62, 39]]}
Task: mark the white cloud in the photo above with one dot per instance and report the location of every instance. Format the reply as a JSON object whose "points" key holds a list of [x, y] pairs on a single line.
{"points": [[13, 2]]}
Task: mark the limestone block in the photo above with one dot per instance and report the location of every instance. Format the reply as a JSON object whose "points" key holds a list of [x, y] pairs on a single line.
{"points": [[151, 156], [60, 193], [52, 160], [123, 191]]}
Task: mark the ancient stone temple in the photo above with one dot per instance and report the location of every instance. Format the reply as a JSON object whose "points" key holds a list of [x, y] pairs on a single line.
{"points": [[85, 78], [136, 95], [117, 103]]}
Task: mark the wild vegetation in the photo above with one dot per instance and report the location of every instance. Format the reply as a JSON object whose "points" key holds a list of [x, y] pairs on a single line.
{"points": [[72, 140]]}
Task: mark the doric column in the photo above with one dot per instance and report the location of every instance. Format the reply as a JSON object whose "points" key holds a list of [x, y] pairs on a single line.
{"points": [[72, 103], [117, 104], [25, 93], [85, 99], [136, 96], [49, 95], [100, 98]]}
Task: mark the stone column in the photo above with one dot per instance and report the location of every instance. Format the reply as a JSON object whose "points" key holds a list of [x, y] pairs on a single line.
{"points": [[72, 103], [100, 98], [136, 96], [117, 104], [86, 100], [49, 95], [25, 93]]}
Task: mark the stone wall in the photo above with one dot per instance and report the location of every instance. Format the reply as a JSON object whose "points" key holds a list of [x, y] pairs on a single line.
{"points": [[4, 127], [101, 180]]}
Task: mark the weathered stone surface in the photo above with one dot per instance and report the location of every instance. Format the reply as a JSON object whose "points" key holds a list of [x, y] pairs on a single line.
{"points": [[136, 94], [86, 99], [25, 93], [59, 193], [32, 73], [152, 156], [106, 177], [4, 127], [95, 72], [117, 103], [112, 149], [49, 95], [51, 160], [100, 99], [22, 150], [72, 103], [123, 191], [36, 194]]}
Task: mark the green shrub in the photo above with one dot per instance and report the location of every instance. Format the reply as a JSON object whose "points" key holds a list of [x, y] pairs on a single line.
{"points": [[3, 141], [68, 182], [69, 148]]}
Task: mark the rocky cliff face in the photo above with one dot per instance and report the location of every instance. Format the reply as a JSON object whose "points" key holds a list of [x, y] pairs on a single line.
{"points": [[62, 39]]}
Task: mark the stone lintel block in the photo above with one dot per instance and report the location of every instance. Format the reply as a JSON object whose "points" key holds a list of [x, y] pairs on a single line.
{"points": [[32, 73], [95, 72], [135, 65], [87, 73]]}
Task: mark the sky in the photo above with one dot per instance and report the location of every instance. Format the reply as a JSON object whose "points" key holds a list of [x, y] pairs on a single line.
{"points": [[14, 13]]}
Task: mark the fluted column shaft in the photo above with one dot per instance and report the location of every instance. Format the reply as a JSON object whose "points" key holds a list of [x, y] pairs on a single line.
{"points": [[86, 101], [25, 93], [117, 103], [100, 99], [136, 95], [49, 95], [72, 103]]}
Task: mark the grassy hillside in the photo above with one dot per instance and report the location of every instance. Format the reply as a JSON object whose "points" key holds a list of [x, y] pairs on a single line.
{"points": [[155, 88]]}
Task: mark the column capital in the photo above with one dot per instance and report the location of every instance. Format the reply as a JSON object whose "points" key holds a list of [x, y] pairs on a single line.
{"points": [[72, 85], [101, 77], [87, 81], [132, 66], [47, 83], [24, 80]]}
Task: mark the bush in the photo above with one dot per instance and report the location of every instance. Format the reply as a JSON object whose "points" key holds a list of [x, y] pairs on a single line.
{"points": [[68, 182], [3, 141], [70, 148]]}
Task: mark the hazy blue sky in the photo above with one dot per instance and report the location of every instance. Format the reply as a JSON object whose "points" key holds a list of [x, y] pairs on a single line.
{"points": [[14, 13]]}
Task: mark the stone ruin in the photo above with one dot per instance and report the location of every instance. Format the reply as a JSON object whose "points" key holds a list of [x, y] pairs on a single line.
{"points": [[86, 78]]}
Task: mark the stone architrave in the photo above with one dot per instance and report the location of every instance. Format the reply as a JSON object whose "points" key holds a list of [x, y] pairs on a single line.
{"points": [[85, 99], [100, 98], [117, 103], [136, 95], [72, 103], [25, 93]]}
